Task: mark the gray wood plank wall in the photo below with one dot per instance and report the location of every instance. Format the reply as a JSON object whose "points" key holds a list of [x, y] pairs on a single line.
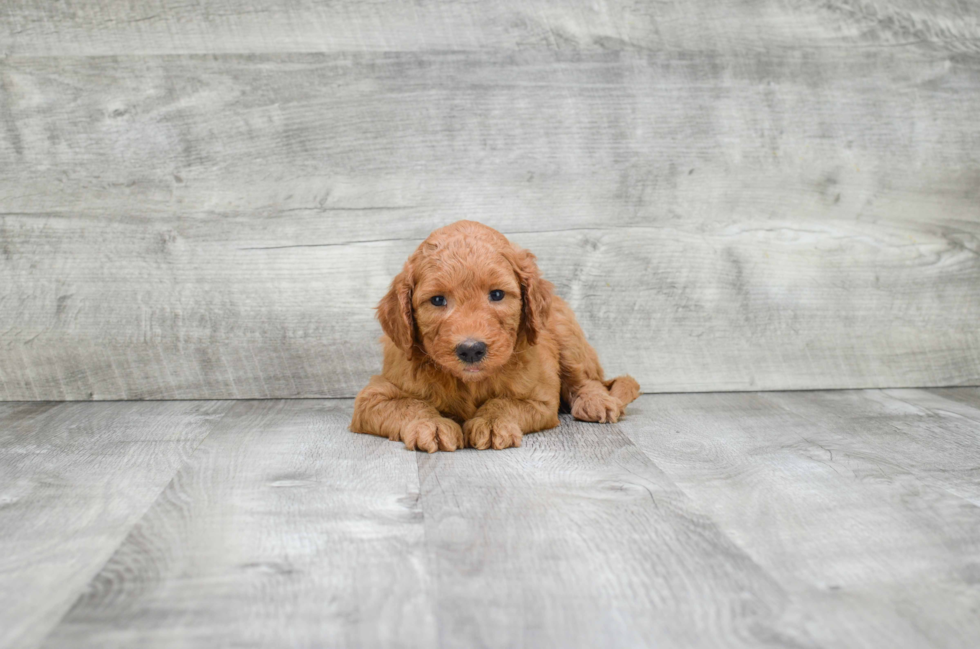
{"points": [[205, 200]]}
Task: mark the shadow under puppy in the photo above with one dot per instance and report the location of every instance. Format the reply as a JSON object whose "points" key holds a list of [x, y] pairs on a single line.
{"points": [[478, 350]]}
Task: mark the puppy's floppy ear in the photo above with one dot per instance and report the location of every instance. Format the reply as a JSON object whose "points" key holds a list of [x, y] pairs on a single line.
{"points": [[536, 294], [395, 311]]}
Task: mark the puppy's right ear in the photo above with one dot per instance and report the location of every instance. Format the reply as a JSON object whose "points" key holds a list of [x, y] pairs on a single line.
{"points": [[395, 311]]}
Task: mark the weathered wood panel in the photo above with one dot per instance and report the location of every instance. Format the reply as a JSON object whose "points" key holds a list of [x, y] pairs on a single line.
{"points": [[572, 138], [968, 397], [114, 27], [74, 479], [283, 529], [578, 540], [779, 308], [756, 520], [182, 226], [821, 490], [933, 438]]}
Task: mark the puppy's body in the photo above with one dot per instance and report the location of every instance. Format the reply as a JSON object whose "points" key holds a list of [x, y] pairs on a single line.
{"points": [[436, 393]]}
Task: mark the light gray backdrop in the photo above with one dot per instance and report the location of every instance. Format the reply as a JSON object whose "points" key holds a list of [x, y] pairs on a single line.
{"points": [[203, 200]]}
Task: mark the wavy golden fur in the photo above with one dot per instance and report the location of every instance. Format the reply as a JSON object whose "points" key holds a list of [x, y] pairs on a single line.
{"points": [[535, 356]]}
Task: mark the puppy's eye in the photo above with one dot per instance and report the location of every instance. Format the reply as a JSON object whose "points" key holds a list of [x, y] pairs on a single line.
{"points": [[438, 300], [496, 295]]}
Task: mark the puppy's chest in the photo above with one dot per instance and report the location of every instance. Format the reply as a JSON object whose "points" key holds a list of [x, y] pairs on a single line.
{"points": [[464, 403]]}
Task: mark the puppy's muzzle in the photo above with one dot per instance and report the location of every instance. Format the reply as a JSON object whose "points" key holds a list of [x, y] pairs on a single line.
{"points": [[471, 351]]}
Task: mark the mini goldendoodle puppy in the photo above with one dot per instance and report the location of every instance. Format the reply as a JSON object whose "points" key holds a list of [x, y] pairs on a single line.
{"points": [[479, 351]]}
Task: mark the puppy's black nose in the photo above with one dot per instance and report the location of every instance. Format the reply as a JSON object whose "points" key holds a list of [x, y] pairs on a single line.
{"points": [[471, 351]]}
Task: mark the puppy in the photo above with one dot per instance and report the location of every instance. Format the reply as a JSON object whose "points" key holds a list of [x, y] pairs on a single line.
{"points": [[479, 351]]}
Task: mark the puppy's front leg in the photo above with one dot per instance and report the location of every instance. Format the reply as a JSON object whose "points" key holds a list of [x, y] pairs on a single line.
{"points": [[383, 409], [501, 423]]}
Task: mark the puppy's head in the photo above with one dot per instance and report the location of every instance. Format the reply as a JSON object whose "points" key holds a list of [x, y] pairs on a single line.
{"points": [[466, 298]]}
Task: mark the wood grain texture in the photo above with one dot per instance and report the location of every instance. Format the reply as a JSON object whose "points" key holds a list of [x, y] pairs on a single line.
{"points": [[836, 495], [284, 529], [118, 27], [74, 478], [578, 540], [968, 397], [185, 227], [932, 437], [716, 520]]}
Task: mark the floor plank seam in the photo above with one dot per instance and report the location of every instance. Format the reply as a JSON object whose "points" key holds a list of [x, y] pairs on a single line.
{"points": [[136, 521], [697, 507], [430, 565], [907, 469], [693, 515], [974, 418]]}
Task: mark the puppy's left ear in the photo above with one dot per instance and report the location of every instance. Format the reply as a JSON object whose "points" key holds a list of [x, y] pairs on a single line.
{"points": [[536, 295]]}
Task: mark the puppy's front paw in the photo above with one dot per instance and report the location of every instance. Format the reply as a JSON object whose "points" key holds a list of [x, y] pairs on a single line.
{"points": [[597, 405], [485, 433], [431, 434]]}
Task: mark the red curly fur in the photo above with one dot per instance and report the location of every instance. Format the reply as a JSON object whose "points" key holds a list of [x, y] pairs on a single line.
{"points": [[537, 356]]}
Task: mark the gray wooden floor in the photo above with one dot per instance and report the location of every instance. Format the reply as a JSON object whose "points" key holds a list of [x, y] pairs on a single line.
{"points": [[798, 519]]}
